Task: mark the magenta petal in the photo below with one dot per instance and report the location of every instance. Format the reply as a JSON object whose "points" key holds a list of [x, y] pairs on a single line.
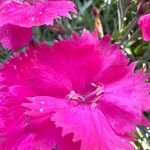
{"points": [[76, 60], [83, 85], [144, 23], [114, 64], [17, 14], [80, 120], [28, 16], [44, 104], [122, 121], [14, 37], [19, 67], [48, 137], [130, 85], [32, 134], [91, 128], [26, 143]]}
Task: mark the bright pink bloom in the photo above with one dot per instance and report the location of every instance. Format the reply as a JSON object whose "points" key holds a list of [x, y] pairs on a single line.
{"points": [[26, 14], [144, 23], [82, 85], [29, 13]]}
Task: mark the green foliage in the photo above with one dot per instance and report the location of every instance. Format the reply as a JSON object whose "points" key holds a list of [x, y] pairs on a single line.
{"points": [[4, 54]]}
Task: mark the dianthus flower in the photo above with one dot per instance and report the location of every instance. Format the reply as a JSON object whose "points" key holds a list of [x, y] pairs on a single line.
{"points": [[25, 14], [144, 23], [79, 94]]}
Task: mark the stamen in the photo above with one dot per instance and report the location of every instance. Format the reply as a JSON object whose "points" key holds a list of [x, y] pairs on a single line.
{"points": [[74, 96], [91, 98], [98, 91]]}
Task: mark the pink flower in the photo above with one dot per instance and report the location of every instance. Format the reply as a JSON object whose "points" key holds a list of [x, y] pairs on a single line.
{"points": [[29, 13], [144, 23], [14, 37], [78, 94], [26, 14]]}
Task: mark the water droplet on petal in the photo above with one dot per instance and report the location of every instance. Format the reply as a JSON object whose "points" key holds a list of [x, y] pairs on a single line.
{"points": [[15, 67], [42, 102], [41, 109], [33, 98], [46, 9], [41, 13], [3, 11], [122, 140], [32, 18], [20, 58], [26, 55]]}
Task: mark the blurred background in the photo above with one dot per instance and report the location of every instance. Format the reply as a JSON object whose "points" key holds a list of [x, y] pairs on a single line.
{"points": [[115, 17]]}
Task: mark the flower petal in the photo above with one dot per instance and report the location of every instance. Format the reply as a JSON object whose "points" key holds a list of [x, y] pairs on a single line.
{"points": [[28, 16], [75, 59], [131, 92], [122, 121], [114, 63], [14, 37], [88, 124], [91, 127], [144, 23]]}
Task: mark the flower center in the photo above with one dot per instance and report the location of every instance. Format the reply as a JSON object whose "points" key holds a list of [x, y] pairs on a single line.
{"points": [[92, 97]]}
